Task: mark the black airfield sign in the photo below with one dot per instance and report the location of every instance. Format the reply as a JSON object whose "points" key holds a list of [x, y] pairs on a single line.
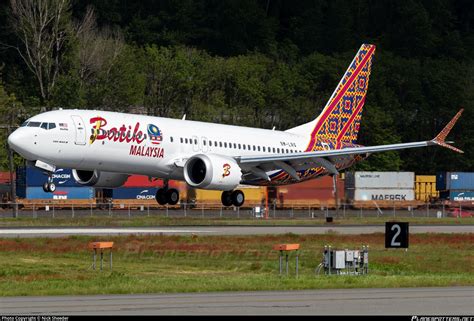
{"points": [[396, 235]]}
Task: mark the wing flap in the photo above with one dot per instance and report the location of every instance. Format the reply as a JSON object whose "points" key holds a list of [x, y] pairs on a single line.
{"points": [[259, 159]]}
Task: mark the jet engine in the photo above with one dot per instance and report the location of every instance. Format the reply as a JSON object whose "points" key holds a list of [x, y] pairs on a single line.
{"points": [[99, 179], [212, 172]]}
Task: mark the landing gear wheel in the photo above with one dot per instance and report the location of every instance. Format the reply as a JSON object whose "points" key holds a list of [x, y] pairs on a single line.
{"points": [[52, 187], [226, 198], [172, 196], [238, 198], [49, 187], [161, 196]]}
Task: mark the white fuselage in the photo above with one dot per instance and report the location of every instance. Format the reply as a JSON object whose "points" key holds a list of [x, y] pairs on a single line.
{"points": [[122, 143]]}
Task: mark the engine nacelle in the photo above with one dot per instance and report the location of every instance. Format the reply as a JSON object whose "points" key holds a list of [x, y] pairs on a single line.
{"points": [[99, 179], [212, 172]]}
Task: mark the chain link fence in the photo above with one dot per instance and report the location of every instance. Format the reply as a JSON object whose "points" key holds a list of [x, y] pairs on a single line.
{"points": [[213, 211]]}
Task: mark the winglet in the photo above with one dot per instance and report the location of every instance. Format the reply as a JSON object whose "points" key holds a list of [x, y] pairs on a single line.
{"points": [[440, 139]]}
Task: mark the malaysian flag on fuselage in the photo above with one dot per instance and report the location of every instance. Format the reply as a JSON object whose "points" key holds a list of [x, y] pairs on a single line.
{"points": [[155, 134]]}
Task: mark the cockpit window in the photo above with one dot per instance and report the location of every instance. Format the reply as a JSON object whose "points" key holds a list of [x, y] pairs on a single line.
{"points": [[34, 124], [48, 125], [24, 124]]}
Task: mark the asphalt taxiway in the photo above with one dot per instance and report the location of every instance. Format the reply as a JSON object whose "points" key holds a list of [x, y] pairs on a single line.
{"points": [[449, 301], [223, 230]]}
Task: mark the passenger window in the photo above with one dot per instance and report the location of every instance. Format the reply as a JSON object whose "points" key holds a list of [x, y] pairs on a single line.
{"points": [[278, 150], [243, 146], [274, 150], [195, 141], [254, 148], [263, 148], [204, 142], [186, 140], [258, 148], [225, 145], [240, 146], [181, 139], [171, 138]]}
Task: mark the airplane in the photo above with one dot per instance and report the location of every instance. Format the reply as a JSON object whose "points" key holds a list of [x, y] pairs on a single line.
{"points": [[103, 148]]}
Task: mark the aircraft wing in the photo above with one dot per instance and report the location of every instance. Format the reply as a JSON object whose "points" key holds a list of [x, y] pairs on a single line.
{"points": [[260, 164]]}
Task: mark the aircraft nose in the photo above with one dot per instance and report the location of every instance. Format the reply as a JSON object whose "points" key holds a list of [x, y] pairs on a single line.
{"points": [[17, 140]]}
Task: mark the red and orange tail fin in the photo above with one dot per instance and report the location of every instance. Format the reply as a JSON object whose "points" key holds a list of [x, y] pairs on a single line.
{"points": [[440, 139], [340, 119]]}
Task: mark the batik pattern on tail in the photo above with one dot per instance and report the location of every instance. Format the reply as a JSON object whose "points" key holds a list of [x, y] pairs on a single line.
{"points": [[340, 119]]}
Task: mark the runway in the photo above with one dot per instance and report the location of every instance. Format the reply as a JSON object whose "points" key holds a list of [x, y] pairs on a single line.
{"points": [[225, 230], [451, 301]]}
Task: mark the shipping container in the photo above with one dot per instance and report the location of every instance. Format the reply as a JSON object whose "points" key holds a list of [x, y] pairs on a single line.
{"points": [[425, 178], [425, 188], [31, 176], [315, 191], [455, 181], [5, 177], [144, 181], [61, 193], [137, 193], [5, 191], [383, 180], [380, 194], [132, 193], [458, 196]]}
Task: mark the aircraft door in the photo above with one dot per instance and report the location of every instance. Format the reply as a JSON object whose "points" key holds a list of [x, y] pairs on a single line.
{"points": [[80, 128]]}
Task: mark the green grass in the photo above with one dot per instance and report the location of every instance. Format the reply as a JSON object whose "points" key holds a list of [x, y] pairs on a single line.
{"points": [[187, 221], [164, 264]]}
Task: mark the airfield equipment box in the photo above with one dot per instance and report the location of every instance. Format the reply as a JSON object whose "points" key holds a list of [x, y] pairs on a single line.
{"points": [[344, 262]]}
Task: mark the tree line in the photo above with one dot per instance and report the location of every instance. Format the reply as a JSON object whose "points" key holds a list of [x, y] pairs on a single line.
{"points": [[252, 63]]}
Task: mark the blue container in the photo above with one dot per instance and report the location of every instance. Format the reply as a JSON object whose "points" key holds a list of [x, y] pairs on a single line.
{"points": [[135, 193], [455, 181], [68, 193], [32, 176], [461, 196]]}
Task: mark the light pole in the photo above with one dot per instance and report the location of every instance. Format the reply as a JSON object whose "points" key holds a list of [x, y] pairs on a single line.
{"points": [[11, 166], [12, 180]]}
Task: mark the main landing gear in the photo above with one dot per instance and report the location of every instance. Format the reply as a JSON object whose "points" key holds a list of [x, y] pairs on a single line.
{"points": [[167, 195], [49, 186], [236, 198]]}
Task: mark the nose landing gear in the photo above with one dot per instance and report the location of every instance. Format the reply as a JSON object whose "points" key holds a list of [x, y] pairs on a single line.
{"points": [[49, 186]]}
